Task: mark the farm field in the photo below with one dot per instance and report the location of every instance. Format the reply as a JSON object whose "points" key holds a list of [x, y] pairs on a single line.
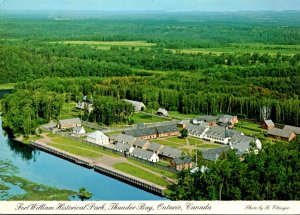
{"points": [[109, 43], [246, 48]]}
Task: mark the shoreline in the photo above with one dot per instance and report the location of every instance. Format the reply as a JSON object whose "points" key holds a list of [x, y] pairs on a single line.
{"points": [[97, 167]]}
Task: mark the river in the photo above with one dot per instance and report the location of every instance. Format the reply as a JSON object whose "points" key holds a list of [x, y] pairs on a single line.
{"points": [[42, 168]]}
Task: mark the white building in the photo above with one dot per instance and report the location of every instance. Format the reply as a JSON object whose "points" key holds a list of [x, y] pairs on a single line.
{"points": [[98, 138], [197, 130], [218, 134], [146, 155], [138, 106], [79, 130]]}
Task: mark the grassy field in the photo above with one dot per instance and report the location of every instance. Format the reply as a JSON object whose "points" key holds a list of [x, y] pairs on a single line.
{"points": [[246, 48], [83, 147], [113, 133], [69, 111], [7, 86], [140, 173], [250, 125], [177, 115], [168, 143], [146, 118], [154, 169], [31, 137], [77, 151], [177, 140], [111, 43]]}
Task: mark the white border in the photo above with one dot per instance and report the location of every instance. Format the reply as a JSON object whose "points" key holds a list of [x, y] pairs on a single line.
{"points": [[150, 207]]}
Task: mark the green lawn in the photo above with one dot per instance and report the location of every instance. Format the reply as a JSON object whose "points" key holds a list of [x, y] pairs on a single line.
{"points": [[177, 115], [168, 143], [113, 133], [177, 140], [154, 169], [248, 132], [145, 118], [69, 111], [31, 137], [250, 125], [7, 86], [140, 173], [77, 151], [70, 143]]}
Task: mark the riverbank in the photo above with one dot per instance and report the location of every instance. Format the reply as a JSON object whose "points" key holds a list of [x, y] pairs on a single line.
{"points": [[102, 168]]}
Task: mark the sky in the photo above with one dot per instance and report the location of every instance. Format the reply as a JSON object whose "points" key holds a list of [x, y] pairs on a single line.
{"points": [[160, 5]]}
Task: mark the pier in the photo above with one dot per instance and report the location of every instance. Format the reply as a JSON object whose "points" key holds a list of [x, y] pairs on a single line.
{"points": [[98, 167]]}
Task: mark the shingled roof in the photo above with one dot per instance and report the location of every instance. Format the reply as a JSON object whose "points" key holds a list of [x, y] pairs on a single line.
{"points": [[66, 122], [154, 146], [207, 118], [142, 153], [238, 138], [184, 160], [214, 154], [225, 118], [269, 123], [123, 147], [221, 132], [123, 138], [195, 129], [170, 152], [280, 132], [166, 129], [141, 132], [241, 143], [294, 129], [97, 135], [141, 143]]}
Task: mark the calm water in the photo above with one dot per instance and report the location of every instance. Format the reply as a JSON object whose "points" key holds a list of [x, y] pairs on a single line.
{"points": [[43, 168]]}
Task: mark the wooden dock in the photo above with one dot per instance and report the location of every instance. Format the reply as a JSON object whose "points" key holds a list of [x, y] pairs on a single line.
{"points": [[145, 185]]}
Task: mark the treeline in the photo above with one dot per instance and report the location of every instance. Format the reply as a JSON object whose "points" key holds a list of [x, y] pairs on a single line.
{"points": [[19, 64], [31, 61], [109, 111], [170, 30], [272, 174], [199, 93], [24, 110]]}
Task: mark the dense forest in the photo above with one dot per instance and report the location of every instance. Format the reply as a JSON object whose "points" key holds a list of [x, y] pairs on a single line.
{"points": [[163, 71], [243, 63], [272, 174]]}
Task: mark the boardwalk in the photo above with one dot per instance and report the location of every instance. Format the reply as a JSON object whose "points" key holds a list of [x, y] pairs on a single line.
{"points": [[101, 168]]}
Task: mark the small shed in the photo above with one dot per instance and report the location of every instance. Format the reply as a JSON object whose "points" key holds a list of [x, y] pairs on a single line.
{"points": [[267, 124], [145, 155], [78, 130], [98, 138], [162, 112]]}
